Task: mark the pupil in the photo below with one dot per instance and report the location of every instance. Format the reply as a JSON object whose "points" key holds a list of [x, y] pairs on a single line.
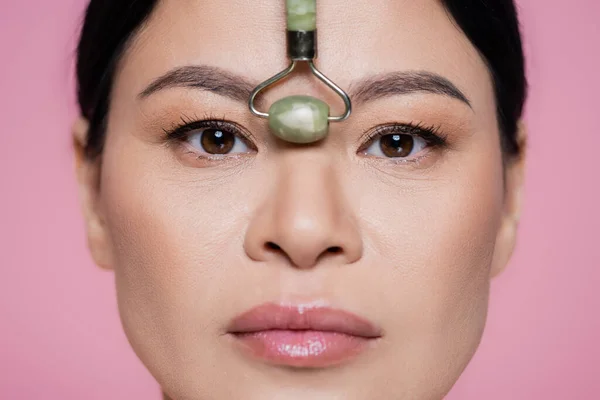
{"points": [[397, 145], [216, 141]]}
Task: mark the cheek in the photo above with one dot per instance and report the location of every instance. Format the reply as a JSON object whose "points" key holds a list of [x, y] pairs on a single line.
{"points": [[169, 236], [437, 238]]}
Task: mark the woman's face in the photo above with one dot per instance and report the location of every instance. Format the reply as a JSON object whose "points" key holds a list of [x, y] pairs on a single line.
{"points": [[397, 230]]}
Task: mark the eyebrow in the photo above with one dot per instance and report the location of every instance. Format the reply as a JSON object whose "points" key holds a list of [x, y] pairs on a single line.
{"points": [[203, 77], [236, 87], [406, 82]]}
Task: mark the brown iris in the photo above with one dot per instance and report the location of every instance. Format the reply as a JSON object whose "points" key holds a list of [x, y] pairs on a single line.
{"points": [[397, 145], [217, 141]]}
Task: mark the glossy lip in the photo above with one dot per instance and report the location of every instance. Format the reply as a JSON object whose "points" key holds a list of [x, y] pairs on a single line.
{"points": [[302, 336]]}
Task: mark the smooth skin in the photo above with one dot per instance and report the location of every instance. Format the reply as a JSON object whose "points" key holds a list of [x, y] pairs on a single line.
{"points": [[190, 239]]}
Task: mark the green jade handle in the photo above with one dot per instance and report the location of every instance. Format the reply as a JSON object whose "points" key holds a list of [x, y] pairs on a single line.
{"points": [[300, 119], [301, 15]]}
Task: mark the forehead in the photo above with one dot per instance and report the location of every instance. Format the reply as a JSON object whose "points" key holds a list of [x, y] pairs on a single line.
{"points": [[355, 39]]}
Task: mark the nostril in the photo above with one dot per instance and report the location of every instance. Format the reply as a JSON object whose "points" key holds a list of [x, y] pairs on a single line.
{"points": [[334, 250], [272, 246]]}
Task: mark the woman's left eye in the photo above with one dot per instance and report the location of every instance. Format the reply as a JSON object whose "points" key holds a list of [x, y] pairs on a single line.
{"points": [[397, 145]]}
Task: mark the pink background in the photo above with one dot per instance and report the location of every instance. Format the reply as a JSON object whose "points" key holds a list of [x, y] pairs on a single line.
{"points": [[60, 335]]}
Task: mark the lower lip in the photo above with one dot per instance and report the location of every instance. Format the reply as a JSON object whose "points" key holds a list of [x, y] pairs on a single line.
{"points": [[303, 348]]}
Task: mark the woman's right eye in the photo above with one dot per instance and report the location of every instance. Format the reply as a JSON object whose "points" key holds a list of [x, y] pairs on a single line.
{"points": [[216, 141]]}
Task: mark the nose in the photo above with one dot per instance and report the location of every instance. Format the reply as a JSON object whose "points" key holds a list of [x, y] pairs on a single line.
{"points": [[304, 218]]}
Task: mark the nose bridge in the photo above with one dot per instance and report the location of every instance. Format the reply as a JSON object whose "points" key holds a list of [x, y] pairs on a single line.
{"points": [[306, 195], [305, 215]]}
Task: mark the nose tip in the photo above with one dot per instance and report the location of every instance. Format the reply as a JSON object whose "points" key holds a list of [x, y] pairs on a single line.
{"points": [[304, 220], [305, 252], [305, 243]]}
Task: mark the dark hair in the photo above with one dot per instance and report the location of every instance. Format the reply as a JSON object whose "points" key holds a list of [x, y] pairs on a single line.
{"points": [[491, 25]]}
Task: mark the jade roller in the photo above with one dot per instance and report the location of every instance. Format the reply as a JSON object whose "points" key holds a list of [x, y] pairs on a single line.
{"points": [[300, 119]]}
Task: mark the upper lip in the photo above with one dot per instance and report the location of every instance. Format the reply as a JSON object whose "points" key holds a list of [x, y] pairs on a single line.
{"points": [[271, 316]]}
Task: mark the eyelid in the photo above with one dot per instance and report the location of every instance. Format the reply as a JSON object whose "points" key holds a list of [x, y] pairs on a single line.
{"points": [[431, 134], [182, 130]]}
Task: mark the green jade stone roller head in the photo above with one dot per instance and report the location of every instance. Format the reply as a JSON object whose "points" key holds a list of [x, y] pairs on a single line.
{"points": [[300, 119]]}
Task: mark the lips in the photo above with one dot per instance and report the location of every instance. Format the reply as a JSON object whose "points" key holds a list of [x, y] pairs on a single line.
{"points": [[302, 336]]}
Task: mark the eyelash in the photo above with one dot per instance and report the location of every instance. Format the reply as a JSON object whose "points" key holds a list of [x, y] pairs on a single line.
{"points": [[179, 132], [429, 133]]}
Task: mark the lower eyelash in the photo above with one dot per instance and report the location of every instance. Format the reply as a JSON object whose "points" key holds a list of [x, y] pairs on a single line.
{"points": [[215, 157], [404, 161]]}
